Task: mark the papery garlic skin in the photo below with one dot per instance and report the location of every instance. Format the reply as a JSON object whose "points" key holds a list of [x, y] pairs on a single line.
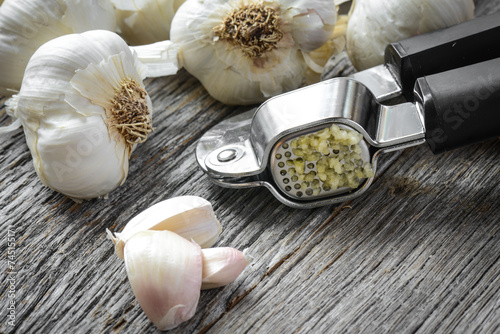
{"points": [[71, 89], [145, 21], [221, 266], [165, 272], [27, 24], [376, 23], [228, 68], [191, 217]]}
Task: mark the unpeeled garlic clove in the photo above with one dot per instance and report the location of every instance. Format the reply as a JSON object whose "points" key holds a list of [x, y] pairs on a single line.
{"points": [[191, 217], [221, 266], [165, 272]]}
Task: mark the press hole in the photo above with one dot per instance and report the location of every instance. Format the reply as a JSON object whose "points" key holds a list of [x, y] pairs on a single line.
{"points": [[288, 154], [286, 181], [281, 164], [309, 192], [300, 194], [297, 186], [285, 146], [279, 156], [283, 172], [288, 188]]}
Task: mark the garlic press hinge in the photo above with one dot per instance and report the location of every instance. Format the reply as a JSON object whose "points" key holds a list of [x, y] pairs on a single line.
{"points": [[233, 160]]}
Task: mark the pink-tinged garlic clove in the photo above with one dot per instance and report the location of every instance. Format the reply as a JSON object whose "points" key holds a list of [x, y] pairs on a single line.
{"points": [[221, 266], [165, 272]]}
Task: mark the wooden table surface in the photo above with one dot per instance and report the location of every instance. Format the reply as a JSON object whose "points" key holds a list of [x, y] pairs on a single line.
{"points": [[418, 253]]}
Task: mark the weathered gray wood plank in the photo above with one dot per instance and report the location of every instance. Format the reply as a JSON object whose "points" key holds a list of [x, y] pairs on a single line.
{"points": [[418, 253]]}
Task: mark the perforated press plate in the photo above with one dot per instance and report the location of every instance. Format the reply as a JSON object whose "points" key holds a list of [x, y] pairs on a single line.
{"points": [[324, 161]]}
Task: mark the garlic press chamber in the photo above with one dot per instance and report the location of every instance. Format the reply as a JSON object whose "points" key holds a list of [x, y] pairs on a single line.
{"points": [[319, 145]]}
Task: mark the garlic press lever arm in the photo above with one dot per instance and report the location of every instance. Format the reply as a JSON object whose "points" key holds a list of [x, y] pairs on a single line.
{"points": [[461, 106], [468, 43]]}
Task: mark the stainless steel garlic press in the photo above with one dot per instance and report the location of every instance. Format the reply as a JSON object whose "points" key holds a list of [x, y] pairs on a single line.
{"points": [[442, 88]]}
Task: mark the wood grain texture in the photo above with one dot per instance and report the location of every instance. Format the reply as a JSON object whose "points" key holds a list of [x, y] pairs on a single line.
{"points": [[418, 253]]}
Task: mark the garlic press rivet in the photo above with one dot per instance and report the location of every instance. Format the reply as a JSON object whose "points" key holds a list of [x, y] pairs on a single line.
{"points": [[227, 155]]}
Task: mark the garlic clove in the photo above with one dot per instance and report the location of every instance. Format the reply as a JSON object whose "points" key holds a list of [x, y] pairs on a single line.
{"points": [[314, 25], [165, 272], [191, 217], [221, 266]]}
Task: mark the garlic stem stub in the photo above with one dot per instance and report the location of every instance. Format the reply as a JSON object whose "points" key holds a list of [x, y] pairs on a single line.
{"points": [[159, 59], [165, 272], [191, 217], [84, 108], [25, 25], [245, 51], [376, 23]]}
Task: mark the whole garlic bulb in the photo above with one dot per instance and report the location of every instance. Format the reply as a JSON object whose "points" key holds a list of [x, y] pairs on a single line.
{"points": [[376, 23], [145, 21], [83, 107], [245, 51], [27, 24]]}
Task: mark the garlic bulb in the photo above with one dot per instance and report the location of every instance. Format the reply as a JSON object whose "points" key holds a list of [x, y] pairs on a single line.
{"points": [[165, 272], [145, 21], [27, 24], [83, 108], [191, 217], [376, 23], [245, 51]]}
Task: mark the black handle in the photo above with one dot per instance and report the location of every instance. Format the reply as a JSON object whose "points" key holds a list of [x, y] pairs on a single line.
{"points": [[464, 44], [461, 106]]}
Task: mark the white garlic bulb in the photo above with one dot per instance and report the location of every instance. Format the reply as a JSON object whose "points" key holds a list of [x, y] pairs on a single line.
{"points": [[145, 21], [83, 107], [165, 272], [245, 51], [191, 217], [27, 24], [376, 23]]}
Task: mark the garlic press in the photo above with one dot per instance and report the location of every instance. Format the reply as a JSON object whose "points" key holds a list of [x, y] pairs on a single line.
{"points": [[319, 145]]}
